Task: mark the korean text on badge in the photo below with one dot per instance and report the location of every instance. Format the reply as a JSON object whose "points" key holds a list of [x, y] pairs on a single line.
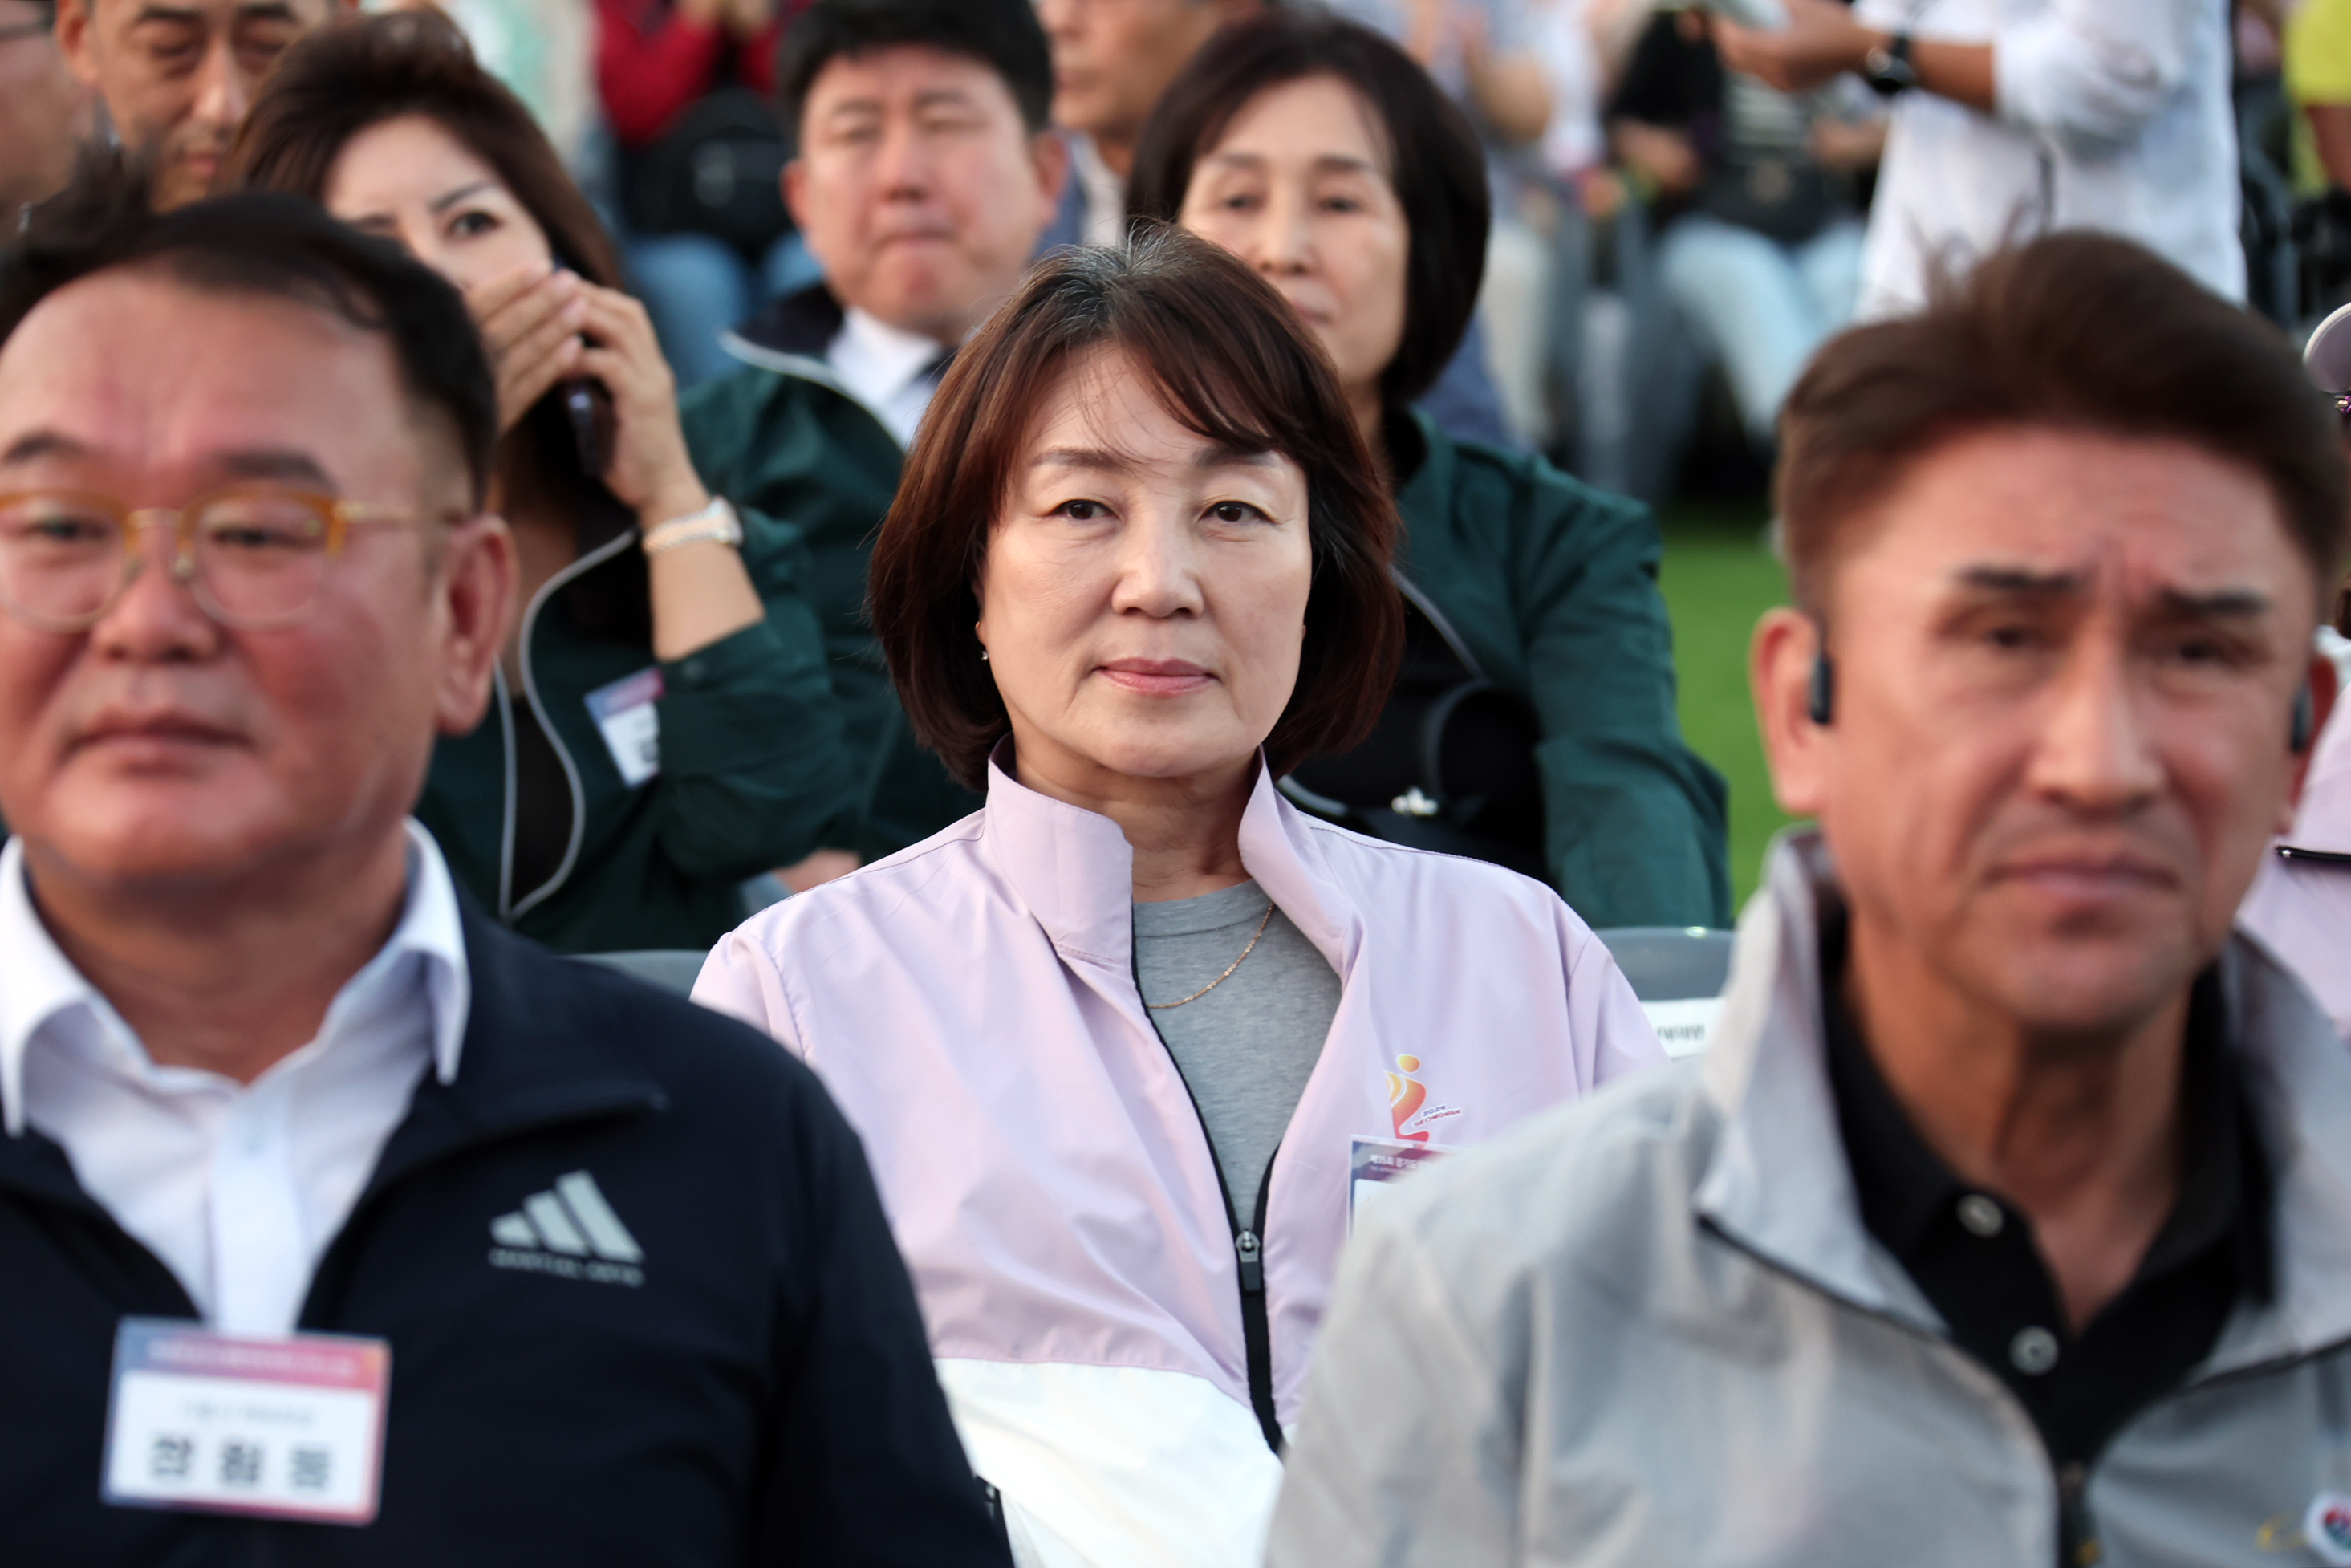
{"points": [[287, 1427], [1373, 1163], [626, 714]]}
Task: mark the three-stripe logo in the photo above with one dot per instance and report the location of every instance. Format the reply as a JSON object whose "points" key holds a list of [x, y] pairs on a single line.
{"points": [[571, 1232]]}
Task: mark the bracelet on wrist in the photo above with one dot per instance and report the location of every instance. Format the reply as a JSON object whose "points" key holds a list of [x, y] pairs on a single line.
{"points": [[714, 524]]}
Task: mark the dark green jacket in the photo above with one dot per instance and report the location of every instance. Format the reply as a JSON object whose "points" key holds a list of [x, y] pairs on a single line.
{"points": [[1552, 585], [751, 768], [783, 435]]}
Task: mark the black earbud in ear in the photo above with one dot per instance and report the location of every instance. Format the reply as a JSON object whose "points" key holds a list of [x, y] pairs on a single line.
{"points": [[1822, 707], [2298, 736]]}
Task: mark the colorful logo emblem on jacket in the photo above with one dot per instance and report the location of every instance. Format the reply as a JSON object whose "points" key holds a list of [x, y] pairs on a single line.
{"points": [[2327, 1528], [1406, 1094]]}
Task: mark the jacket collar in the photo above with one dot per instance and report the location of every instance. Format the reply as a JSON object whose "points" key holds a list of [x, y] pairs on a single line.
{"points": [[1424, 459], [1074, 870], [793, 337], [540, 1049], [1778, 1185], [41, 984], [800, 324]]}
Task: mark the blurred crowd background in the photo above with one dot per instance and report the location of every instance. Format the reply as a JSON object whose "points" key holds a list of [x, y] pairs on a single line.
{"points": [[1671, 239]]}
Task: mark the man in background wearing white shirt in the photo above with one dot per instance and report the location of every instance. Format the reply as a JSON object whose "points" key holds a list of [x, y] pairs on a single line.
{"points": [[1113, 62], [925, 172], [262, 1071], [2015, 117]]}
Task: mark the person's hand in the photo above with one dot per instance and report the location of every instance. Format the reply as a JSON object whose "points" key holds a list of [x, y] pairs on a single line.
{"points": [[1473, 38], [529, 320], [651, 471], [746, 19], [1667, 157], [1428, 25], [1821, 41], [1847, 145], [1602, 193]]}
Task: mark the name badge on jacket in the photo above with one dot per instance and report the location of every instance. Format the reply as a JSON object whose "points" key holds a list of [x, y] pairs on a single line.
{"points": [[630, 724], [1373, 1163], [288, 1427]]}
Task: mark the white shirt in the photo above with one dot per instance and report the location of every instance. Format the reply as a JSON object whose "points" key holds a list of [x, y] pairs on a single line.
{"points": [[887, 369], [239, 1188], [2113, 114], [1103, 191]]}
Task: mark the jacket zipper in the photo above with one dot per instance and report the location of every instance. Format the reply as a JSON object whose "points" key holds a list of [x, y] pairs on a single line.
{"points": [[511, 909], [1256, 1325], [2077, 1527], [1249, 1242], [1339, 811], [2077, 1533], [1428, 606]]}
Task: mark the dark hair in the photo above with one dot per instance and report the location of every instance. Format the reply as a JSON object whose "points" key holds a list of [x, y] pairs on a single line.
{"points": [[2076, 330], [275, 248], [1002, 34], [1235, 364], [339, 81], [1434, 162]]}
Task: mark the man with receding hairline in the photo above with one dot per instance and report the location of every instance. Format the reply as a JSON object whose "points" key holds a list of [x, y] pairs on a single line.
{"points": [[178, 75], [2004, 1221], [340, 1226]]}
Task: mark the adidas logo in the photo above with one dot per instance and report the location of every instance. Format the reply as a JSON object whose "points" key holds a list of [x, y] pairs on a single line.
{"points": [[571, 1233]]}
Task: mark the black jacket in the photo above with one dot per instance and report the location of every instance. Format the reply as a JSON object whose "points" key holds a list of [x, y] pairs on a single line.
{"points": [[761, 1394]]}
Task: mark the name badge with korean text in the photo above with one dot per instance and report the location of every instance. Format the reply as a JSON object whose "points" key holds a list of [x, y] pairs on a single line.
{"points": [[1685, 1028], [287, 1427], [630, 724], [1373, 1163]]}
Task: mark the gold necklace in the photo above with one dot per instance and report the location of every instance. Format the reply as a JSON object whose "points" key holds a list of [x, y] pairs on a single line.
{"points": [[1220, 980]]}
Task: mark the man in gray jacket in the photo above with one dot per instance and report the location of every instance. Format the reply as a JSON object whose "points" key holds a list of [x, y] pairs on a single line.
{"points": [[2010, 1220]]}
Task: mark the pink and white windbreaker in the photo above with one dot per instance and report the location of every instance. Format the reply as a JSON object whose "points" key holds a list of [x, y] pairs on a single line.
{"points": [[971, 1003]]}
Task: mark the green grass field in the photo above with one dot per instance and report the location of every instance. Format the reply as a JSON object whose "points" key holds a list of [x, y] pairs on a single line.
{"points": [[1719, 577]]}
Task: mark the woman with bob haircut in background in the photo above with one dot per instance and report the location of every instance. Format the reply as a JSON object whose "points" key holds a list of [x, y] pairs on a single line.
{"points": [[1114, 1042], [1534, 724], [665, 726]]}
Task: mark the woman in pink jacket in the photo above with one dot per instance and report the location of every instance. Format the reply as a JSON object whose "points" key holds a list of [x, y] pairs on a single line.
{"points": [[1127, 1045]]}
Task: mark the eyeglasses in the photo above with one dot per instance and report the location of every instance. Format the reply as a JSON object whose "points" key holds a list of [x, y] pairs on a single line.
{"points": [[255, 556], [17, 32]]}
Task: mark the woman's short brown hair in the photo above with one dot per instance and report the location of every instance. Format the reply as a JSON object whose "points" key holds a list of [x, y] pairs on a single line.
{"points": [[2075, 330], [1233, 363], [1436, 164]]}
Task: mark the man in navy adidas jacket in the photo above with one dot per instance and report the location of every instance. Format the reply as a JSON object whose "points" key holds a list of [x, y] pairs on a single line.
{"points": [[278, 1109]]}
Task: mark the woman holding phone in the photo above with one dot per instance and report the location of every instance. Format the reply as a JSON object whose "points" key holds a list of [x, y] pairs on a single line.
{"points": [[667, 728]]}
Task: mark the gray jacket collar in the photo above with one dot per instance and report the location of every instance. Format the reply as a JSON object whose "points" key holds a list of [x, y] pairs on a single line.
{"points": [[1777, 1183]]}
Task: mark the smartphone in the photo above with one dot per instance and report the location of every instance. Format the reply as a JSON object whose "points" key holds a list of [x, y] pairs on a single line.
{"points": [[588, 407]]}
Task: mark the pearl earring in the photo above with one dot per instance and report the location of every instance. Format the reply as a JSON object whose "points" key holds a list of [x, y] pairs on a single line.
{"points": [[983, 655]]}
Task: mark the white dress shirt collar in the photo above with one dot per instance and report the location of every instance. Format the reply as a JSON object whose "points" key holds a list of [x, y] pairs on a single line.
{"points": [[1103, 191], [39, 983], [887, 368]]}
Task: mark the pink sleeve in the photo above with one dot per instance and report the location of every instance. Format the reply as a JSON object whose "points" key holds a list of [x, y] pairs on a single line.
{"points": [[1612, 1034], [742, 979]]}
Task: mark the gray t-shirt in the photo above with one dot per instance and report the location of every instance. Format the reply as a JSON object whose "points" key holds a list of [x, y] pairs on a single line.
{"points": [[1247, 1047]]}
